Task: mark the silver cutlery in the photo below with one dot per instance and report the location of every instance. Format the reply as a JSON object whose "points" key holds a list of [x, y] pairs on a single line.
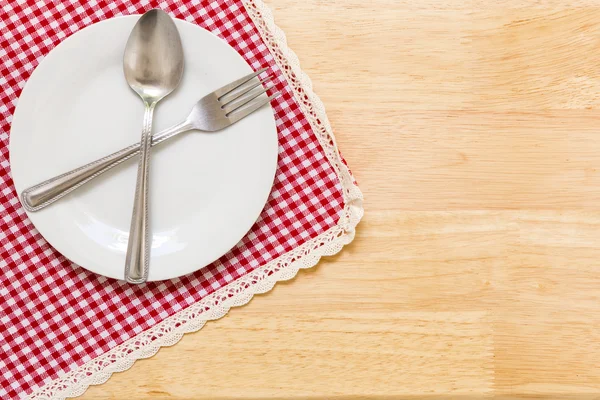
{"points": [[211, 113], [153, 67]]}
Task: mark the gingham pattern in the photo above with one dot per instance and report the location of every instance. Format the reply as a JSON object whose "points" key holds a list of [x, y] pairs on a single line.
{"points": [[55, 316]]}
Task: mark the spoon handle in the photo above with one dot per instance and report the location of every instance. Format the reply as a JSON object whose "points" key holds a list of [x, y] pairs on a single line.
{"points": [[138, 247], [47, 192]]}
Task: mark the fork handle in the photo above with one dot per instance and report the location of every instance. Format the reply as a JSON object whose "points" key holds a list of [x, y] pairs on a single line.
{"points": [[45, 193]]}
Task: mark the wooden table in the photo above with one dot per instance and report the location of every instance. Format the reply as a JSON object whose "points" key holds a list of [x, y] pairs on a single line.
{"points": [[474, 133]]}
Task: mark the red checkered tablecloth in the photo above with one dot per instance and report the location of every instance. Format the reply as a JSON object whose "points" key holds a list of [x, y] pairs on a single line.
{"points": [[56, 318]]}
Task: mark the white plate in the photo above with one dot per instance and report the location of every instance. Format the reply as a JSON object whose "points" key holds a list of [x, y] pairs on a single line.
{"points": [[206, 190]]}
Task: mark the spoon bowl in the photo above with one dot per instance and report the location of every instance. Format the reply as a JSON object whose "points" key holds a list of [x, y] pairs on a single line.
{"points": [[153, 59]]}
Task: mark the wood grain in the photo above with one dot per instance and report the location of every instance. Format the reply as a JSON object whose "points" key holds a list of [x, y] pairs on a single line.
{"points": [[472, 128]]}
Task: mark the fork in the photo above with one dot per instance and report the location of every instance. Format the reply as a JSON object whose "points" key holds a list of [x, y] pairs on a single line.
{"points": [[215, 111]]}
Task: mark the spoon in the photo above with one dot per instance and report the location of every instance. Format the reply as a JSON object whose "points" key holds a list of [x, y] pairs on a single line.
{"points": [[153, 66]]}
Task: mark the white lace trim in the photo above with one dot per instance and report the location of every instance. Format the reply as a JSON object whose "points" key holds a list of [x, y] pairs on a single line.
{"points": [[238, 293]]}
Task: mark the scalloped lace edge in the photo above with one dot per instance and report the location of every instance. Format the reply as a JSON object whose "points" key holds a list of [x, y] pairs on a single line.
{"points": [[238, 293]]}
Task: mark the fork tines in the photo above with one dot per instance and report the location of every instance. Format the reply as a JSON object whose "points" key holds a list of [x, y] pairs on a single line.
{"points": [[244, 96]]}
